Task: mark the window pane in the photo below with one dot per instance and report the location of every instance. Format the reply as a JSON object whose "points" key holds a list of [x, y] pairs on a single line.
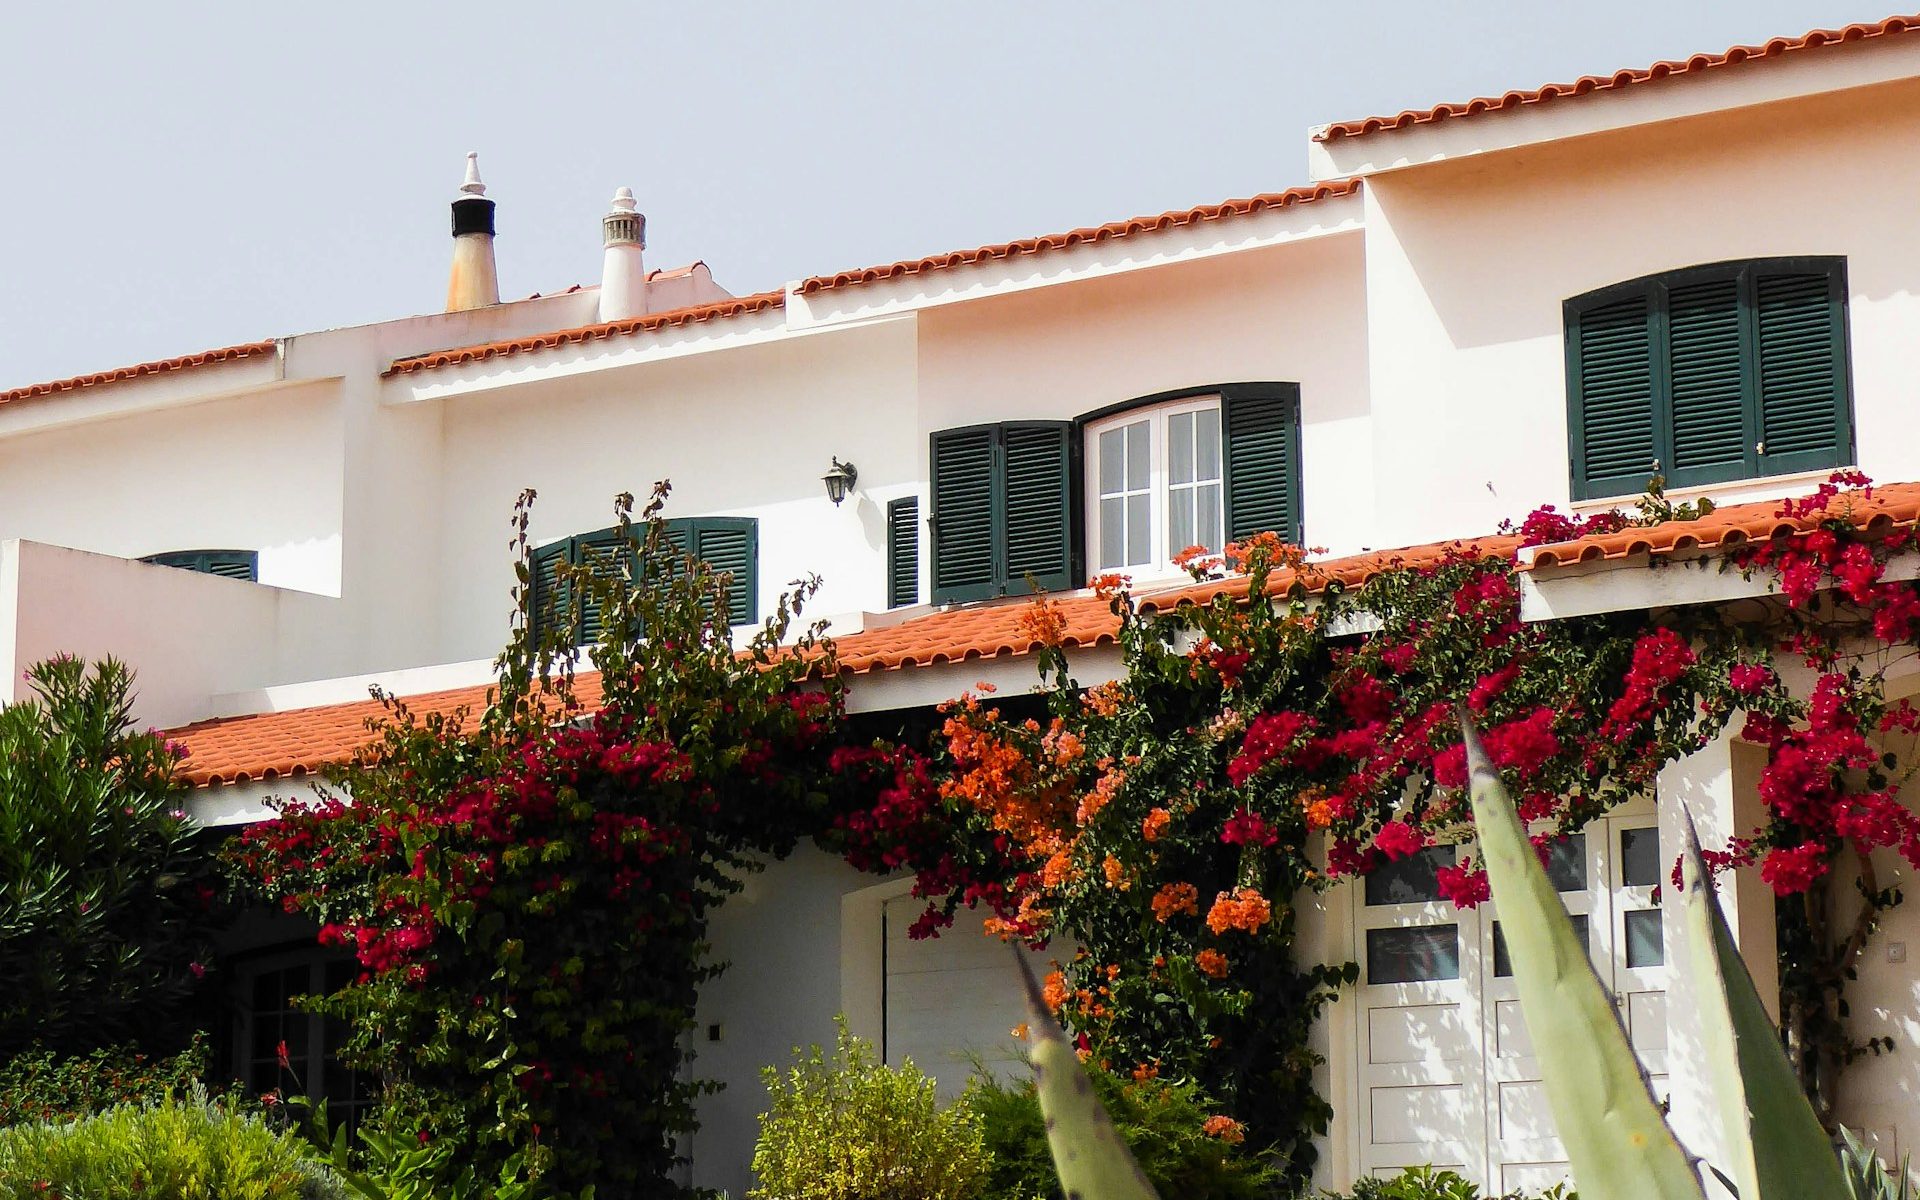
{"points": [[1139, 529], [1209, 443], [1640, 857], [1210, 520], [1113, 533], [1645, 945], [1413, 954], [1180, 448], [1180, 519], [1567, 863], [1503, 967], [1139, 456], [1412, 879], [1113, 453]]}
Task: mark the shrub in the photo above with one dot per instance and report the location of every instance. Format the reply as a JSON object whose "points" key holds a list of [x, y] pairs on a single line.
{"points": [[39, 1085], [104, 890], [847, 1127], [191, 1150], [1426, 1183], [1166, 1124]]}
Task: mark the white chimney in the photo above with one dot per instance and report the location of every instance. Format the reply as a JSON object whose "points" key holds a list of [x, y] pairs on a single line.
{"points": [[475, 282], [623, 273]]}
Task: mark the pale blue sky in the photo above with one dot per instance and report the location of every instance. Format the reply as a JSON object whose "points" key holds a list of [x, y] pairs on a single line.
{"points": [[171, 182]]}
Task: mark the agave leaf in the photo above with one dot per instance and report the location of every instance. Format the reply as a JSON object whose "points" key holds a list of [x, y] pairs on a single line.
{"points": [[1091, 1160], [1774, 1140], [1616, 1136]]}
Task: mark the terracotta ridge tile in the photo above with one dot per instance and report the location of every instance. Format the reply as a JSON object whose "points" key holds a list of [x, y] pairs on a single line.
{"points": [[159, 366], [1083, 236], [1589, 84], [690, 315]]}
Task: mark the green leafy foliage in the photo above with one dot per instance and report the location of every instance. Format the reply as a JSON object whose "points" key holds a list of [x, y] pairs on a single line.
{"points": [[844, 1126], [39, 1085], [1868, 1177], [1163, 1123], [104, 890], [526, 888], [189, 1150], [1428, 1183]]}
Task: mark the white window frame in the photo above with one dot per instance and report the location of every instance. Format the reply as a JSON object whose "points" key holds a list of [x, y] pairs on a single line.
{"points": [[1160, 480]]}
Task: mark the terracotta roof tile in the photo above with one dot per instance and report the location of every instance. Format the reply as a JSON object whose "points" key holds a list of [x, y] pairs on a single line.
{"points": [[160, 366], [693, 314], [300, 742], [1082, 237], [1589, 84], [1724, 528], [281, 745]]}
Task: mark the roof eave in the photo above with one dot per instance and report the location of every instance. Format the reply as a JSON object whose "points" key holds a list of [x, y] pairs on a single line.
{"points": [[1567, 114]]}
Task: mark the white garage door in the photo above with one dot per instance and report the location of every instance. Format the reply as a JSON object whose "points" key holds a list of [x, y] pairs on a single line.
{"points": [[954, 998], [1447, 1073]]}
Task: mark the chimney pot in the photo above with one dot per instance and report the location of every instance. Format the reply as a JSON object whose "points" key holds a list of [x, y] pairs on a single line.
{"points": [[623, 270], [475, 280]]}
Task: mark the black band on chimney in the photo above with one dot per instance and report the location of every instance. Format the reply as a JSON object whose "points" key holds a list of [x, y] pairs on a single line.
{"points": [[472, 214]]}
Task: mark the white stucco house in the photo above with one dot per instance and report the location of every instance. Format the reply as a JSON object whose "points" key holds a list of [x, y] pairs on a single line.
{"points": [[1464, 313]]}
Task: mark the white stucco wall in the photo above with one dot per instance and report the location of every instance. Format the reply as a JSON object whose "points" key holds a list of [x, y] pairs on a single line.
{"points": [[252, 472], [746, 433], [1467, 265]]}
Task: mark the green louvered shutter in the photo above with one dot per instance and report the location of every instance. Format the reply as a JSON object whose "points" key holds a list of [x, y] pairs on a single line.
{"points": [[1708, 371], [227, 564], [601, 553], [966, 508], [731, 546], [1803, 394], [1039, 506], [903, 552], [549, 602], [1261, 429], [1611, 395]]}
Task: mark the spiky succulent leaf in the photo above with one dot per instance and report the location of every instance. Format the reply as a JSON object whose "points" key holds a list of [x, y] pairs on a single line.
{"points": [[1616, 1137], [1775, 1144], [1092, 1161]]}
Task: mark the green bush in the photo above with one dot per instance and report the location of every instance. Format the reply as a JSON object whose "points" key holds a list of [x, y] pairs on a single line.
{"points": [[39, 1085], [189, 1150], [1426, 1183], [1163, 1123], [105, 890], [847, 1127]]}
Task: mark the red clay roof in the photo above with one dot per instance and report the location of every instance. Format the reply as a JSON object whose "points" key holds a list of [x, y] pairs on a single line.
{"points": [[281, 745], [1082, 237], [693, 314], [160, 366], [1586, 85], [1724, 528]]}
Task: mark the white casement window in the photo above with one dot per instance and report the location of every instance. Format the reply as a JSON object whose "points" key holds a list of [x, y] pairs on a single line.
{"points": [[1154, 486], [269, 1015]]}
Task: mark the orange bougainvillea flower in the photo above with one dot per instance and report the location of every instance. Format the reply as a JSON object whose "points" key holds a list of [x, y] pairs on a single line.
{"points": [[1175, 898], [1045, 622], [1054, 990], [1316, 806], [1246, 909], [1212, 962], [1104, 700], [1145, 1071], [1110, 586], [1155, 824], [1021, 1032], [1226, 1129], [1104, 790], [1116, 873]]}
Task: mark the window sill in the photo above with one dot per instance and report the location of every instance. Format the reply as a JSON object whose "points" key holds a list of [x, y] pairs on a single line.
{"points": [[1734, 491]]}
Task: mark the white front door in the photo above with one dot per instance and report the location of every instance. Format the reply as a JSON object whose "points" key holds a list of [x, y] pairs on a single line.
{"points": [[1448, 1075]]}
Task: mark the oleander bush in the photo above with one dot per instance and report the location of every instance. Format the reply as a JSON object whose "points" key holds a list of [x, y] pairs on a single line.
{"points": [[844, 1126], [106, 892], [194, 1149], [1183, 1144]]}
